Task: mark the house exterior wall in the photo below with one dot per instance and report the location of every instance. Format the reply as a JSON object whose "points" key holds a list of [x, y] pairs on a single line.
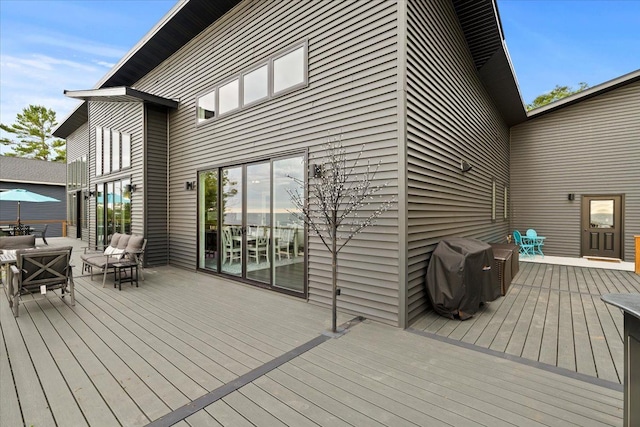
{"points": [[155, 185], [352, 91], [589, 148], [127, 117], [78, 146], [450, 117]]}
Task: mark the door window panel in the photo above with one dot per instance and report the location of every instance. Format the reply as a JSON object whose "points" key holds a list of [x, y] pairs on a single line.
{"points": [[208, 194], [601, 213]]}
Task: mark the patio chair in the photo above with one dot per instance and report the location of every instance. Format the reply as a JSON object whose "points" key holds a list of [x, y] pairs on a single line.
{"points": [[40, 271], [230, 246], [526, 248], [123, 249], [40, 232], [258, 247], [536, 241], [284, 243]]}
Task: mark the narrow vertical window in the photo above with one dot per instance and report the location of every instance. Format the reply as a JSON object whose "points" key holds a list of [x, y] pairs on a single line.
{"points": [[98, 151], [106, 154], [115, 156], [506, 202], [493, 199], [126, 150]]}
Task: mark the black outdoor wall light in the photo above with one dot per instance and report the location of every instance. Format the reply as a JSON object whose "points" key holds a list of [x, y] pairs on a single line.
{"points": [[465, 166], [190, 185]]}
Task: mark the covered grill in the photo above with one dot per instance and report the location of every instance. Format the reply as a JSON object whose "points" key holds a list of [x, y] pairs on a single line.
{"points": [[461, 276]]}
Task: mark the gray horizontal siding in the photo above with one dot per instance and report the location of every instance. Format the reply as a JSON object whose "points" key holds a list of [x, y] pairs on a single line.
{"points": [[589, 148], [156, 186], [352, 91], [78, 146], [126, 117], [450, 117]]}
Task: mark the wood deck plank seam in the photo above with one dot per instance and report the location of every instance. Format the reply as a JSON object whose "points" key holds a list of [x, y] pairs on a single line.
{"points": [[533, 363], [228, 388], [194, 344], [6, 363]]}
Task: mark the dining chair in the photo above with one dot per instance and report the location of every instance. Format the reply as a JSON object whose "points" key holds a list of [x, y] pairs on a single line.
{"points": [[526, 248], [284, 242], [231, 247], [537, 242]]}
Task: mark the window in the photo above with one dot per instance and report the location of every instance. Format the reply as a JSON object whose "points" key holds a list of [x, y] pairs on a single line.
{"points": [[126, 150], [256, 85], [493, 199], [229, 96], [113, 151], [98, 151], [277, 75], [207, 106], [505, 202], [288, 70]]}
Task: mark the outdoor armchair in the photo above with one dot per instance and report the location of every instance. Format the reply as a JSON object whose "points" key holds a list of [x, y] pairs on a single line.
{"points": [[122, 249], [41, 271]]}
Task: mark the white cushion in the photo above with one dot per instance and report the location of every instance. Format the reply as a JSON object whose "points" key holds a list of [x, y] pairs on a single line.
{"points": [[109, 250], [117, 252]]}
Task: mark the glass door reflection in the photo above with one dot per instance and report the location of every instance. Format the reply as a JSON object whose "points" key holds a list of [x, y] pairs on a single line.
{"points": [[288, 230], [232, 230], [258, 222]]}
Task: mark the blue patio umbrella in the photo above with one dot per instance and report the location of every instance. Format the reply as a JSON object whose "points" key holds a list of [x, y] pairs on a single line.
{"points": [[19, 195]]}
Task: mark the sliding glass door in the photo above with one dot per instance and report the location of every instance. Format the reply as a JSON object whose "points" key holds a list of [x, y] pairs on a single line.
{"points": [[256, 234]]}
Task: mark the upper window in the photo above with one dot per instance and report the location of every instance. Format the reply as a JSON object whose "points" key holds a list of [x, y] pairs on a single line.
{"points": [[288, 70], [113, 151], [277, 75], [256, 84]]}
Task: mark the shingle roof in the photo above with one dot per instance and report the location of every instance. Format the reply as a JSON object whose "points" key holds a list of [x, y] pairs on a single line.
{"points": [[18, 169]]}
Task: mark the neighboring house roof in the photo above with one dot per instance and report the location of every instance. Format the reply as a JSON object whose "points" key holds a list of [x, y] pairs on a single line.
{"points": [[591, 92], [30, 171], [479, 20]]}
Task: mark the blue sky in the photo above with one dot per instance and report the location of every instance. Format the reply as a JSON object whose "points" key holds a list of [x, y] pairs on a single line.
{"points": [[49, 46]]}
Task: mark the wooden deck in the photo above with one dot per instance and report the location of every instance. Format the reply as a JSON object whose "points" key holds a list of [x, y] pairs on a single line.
{"points": [[151, 353], [551, 314]]}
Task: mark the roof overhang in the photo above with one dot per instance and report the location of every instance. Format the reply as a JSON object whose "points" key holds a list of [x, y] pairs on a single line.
{"points": [[120, 94], [482, 28], [589, 93], [182, 23]]}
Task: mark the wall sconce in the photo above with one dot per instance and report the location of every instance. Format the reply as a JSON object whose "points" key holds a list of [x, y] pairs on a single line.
{"points": [[130, 188], [316, 170], [464, 166], [190, 185], [571, 197], [89, 194]]}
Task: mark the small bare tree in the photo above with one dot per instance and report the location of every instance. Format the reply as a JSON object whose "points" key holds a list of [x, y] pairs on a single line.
{"points": [[337, 192]]}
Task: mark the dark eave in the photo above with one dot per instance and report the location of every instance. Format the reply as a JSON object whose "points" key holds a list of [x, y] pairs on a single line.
{"points": [[480, 22], [120, 94], [589, 93], [182, 23]]}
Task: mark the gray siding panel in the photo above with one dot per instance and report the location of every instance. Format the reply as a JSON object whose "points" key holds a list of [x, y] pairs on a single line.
{"points": [[78, 146], [351, 92], [156, 186], [124, 117], [450, 117], [589, 148]]}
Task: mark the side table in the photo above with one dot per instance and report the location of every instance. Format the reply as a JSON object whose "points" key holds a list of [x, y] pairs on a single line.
{"points": [[128, 278]]}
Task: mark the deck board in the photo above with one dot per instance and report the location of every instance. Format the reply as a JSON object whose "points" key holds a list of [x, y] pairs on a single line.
{"points": [[551, 314], [133, 356]]}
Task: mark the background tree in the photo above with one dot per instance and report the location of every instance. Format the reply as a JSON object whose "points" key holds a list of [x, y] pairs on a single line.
{"points": [[338, 191], [33, 129], [555, 94]]}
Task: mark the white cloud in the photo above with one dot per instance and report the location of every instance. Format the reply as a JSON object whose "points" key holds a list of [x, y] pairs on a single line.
{"points": [[41, 80]]}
